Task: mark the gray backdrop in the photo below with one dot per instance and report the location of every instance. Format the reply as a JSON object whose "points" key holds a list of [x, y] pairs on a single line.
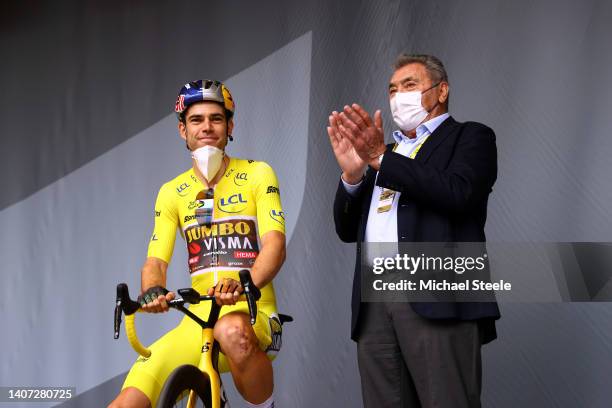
{"points": [[87, 136]]}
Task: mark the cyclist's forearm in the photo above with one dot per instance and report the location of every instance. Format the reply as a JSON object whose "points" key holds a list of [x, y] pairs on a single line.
{"points": [[153, 273], [270, 258]]}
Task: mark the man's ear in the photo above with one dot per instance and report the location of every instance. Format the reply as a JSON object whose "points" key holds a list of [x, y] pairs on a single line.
{"points": [[443, 93], [230, 126], [182, 130]]}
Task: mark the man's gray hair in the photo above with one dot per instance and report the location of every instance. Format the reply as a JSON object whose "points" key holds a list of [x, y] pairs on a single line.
{"points": [[435, 68]]}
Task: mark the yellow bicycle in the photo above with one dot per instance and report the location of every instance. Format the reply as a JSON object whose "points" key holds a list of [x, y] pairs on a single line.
{"points": [[189, 384]]}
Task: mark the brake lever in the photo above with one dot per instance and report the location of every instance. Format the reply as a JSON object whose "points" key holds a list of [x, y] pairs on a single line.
{"points": [[251, 292], [117, 318], [123, 304]]}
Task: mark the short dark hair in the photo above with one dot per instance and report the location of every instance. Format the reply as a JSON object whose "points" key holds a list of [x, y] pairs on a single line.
{"points": [[435, 68]]}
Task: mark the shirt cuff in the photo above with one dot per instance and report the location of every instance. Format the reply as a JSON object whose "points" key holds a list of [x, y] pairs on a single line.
{"points": [[351, 188]]}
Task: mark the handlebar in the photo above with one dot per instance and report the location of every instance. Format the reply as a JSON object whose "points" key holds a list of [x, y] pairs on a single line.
{"points": [[188, 295]]}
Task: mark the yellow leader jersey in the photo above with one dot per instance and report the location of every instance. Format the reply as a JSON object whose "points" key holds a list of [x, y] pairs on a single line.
{"points": [[246, 205]]}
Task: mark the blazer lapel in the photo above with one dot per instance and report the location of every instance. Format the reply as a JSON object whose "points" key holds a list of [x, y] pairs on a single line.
{"points": [[433, 141]]}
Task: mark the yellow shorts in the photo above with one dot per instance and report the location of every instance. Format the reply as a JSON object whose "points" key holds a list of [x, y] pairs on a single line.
{"points": [[182, 345]]}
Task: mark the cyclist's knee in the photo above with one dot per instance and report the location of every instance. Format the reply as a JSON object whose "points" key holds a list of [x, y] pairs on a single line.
{"points": [[235, 335], [131, 397]]}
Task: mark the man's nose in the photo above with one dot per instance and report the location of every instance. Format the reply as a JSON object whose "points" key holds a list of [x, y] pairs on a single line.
{"points": [[207, 125]]}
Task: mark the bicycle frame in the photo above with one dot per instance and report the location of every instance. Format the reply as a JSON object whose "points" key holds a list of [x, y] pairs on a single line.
{"points": [[208, 363]]}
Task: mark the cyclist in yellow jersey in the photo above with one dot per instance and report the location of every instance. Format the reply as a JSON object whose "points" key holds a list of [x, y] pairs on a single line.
{"points": [[229, 213]]}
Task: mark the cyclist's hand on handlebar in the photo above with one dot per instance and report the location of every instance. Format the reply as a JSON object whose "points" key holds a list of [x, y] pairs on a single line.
{"points": [[226, 292], [155, 300]]}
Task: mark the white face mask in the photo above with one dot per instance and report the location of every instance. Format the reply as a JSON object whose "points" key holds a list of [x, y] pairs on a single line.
{"points": [[208, 159], [407, 110]]}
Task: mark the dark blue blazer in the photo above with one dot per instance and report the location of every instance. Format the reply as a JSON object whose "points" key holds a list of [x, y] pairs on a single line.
{"points": [[444, 194]]}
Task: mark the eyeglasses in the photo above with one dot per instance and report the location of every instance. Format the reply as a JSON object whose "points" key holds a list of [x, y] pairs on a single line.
{"points": [[204, 212]]}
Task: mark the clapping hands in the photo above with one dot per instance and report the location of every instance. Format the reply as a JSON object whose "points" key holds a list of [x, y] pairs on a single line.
{"points": [[357, 140]]}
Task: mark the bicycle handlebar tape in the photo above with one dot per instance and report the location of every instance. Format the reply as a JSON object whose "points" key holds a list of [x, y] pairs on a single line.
{"points": [[251, 292], [130, 330]]}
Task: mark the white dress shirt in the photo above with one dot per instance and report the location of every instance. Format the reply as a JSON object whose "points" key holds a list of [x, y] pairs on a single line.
{"points": [[382, 227]]}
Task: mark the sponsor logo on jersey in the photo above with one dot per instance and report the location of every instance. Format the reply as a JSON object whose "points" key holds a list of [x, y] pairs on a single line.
{"points": [[189, 218], [183, 189], [157, 213], [240, 179], [225, 243], [278, 216], [195, 204], [245, 254], [194, 248], [229, 172], [250, 161], [154, 237], [194, 178], [272, 189], [232, 204], [217, 230]]}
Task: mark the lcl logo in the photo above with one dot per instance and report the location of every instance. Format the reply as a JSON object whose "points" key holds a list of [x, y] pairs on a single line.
{"points": [[233, 199], [278, 216], [182, 189], [240, 179], [237, 202]]}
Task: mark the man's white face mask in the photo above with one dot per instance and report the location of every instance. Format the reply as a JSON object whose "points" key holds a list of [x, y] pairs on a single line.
{"points": [[407, 109], [208, 159]]}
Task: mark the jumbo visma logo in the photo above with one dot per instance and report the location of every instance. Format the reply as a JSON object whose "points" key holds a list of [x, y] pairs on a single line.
{"points": [[232, 204], [240, 228]]}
